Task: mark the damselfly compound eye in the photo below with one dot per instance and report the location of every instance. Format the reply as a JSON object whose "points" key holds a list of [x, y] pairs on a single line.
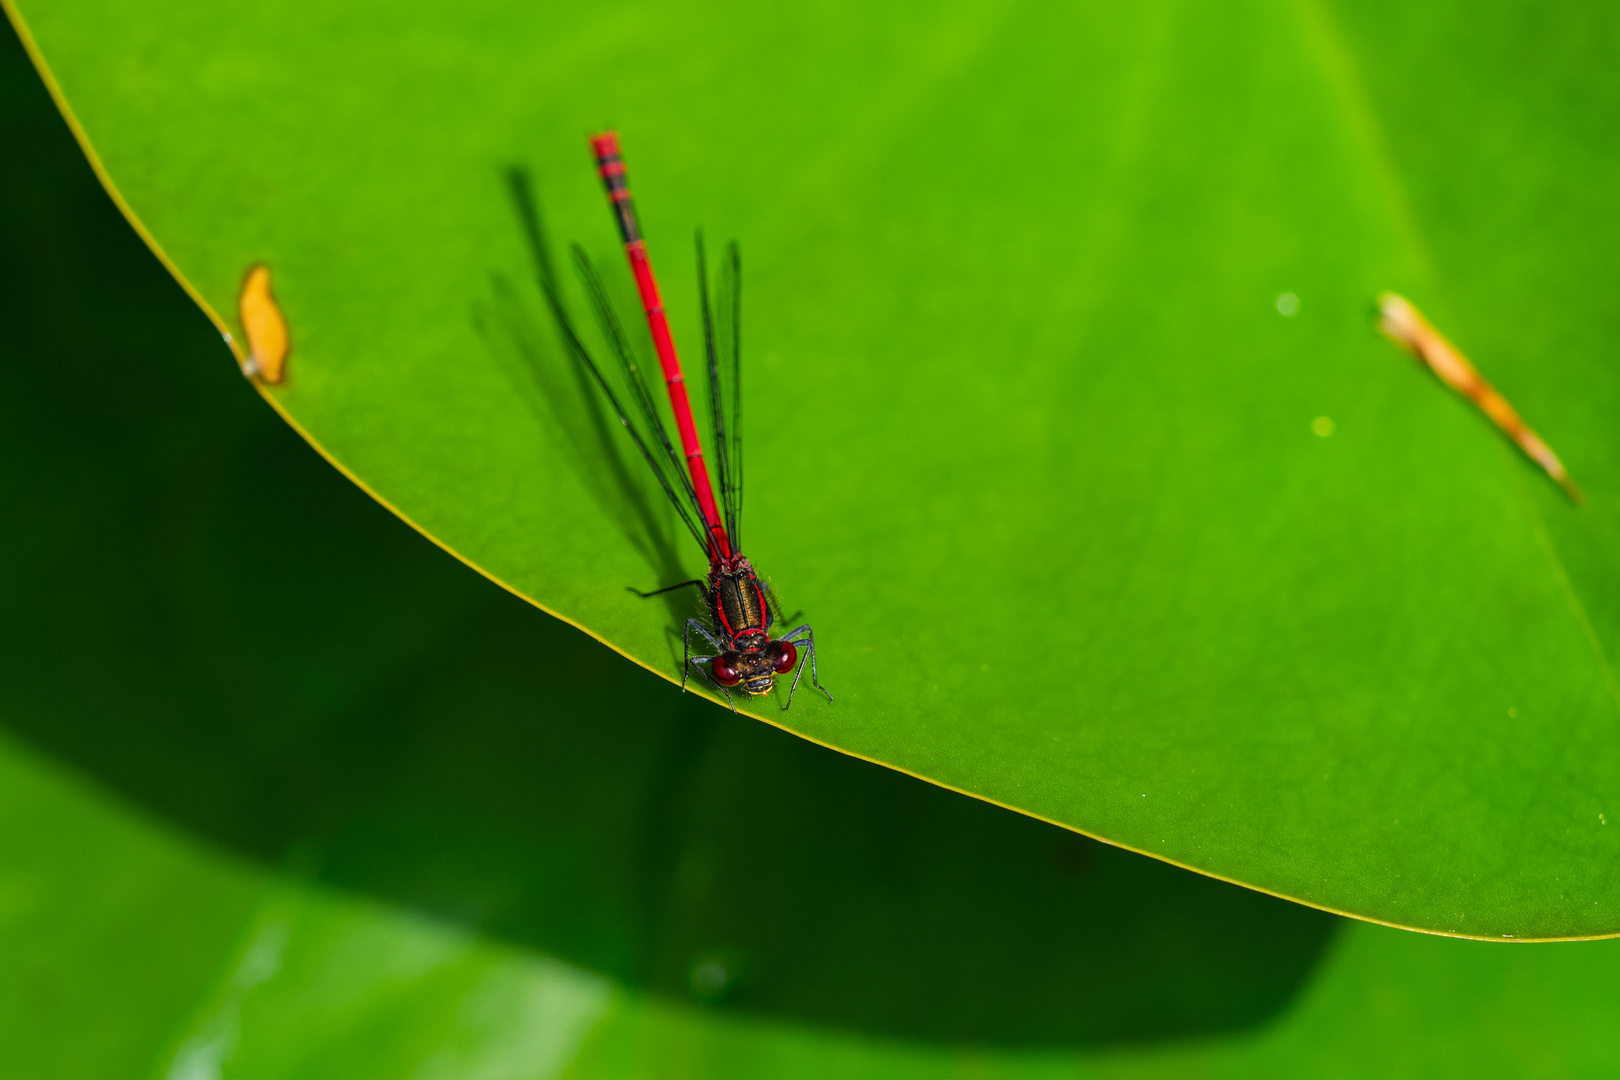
{"points": [[725, 669], [787, 657]]}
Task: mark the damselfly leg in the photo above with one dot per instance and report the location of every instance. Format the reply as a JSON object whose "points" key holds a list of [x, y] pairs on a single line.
{"points": [[804, 635], [689, 662], [699, 582]]}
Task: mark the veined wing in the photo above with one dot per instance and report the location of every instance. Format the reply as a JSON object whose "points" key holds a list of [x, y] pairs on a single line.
{"points": [[722, 333], [659, 452], [540, 248]]}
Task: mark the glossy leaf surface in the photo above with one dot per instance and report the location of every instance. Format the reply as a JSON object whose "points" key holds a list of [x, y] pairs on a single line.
{"points": [[1029, 440]]}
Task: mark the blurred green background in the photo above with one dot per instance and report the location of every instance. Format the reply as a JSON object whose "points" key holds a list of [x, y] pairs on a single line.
{"points": [[286, 791]]}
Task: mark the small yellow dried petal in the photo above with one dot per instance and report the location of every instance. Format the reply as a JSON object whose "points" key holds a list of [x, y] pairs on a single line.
{"points": [[266, 328]]}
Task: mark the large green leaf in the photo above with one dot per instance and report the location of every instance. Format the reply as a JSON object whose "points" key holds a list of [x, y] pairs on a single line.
{"points": [[625, 847], [1028, 440], [387, 742]]}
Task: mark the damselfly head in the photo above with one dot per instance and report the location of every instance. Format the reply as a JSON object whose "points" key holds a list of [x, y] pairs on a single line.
{"points": [[755, 670]]}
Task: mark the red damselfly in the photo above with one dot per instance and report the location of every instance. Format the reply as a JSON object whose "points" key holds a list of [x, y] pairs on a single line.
{"points": [[741, 607]]}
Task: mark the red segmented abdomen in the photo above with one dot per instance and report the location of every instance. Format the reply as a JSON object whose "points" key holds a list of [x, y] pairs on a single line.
{"points": [[610, 166]]}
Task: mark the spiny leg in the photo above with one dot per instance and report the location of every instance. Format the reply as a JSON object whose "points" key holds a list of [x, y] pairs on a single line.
{"points": [[665, 589], [809, 639], [688, 661], [697, 662]]}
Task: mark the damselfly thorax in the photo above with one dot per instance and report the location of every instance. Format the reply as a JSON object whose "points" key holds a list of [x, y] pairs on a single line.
{"points": [[741, 610]]}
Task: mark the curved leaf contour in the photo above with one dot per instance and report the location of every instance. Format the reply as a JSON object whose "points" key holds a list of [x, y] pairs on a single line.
{"points": [[1030, 440]]}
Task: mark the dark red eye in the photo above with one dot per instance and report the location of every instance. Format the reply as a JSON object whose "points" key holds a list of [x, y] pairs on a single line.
{"points": [[787, 657], [725, 669]]}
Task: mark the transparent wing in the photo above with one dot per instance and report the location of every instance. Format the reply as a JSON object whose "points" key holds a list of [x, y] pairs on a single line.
{"points": [[666, 465], [540, 248], [722, 331]]}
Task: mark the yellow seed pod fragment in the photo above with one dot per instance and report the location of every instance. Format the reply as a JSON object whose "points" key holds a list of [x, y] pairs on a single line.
{"points": [[266, 328]]}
